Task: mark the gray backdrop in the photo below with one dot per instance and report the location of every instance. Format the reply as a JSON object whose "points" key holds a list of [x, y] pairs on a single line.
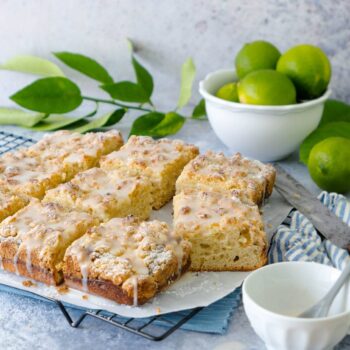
{"points": [[166, 32]]}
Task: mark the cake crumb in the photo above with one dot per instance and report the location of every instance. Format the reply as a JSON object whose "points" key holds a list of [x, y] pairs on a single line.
{"points": [[28, 283], [62, 289], [269, 225], [85, 297], [158, 310]]}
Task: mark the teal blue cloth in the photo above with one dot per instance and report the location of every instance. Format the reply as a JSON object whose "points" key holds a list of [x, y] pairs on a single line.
{"points": [[214, 318]]}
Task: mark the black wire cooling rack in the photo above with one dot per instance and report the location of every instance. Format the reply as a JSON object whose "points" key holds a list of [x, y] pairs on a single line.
{"points": [[153, 328], [10, 142]]}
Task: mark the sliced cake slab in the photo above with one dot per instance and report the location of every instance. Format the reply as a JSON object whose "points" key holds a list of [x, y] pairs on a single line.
{"points": [[33, 241], [76, 152], [126, 260], [226, 234], [251, 179], [105, 194], [161, 160], [29, 176], [10, 202]]}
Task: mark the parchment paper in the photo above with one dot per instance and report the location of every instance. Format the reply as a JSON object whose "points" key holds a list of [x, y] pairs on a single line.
{"points": [[191, 290]]}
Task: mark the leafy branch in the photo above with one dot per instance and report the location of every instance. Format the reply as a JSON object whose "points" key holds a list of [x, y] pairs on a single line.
{"points": [[46, 101]]}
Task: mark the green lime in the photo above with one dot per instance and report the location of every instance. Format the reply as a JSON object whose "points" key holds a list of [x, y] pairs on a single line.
{"points": [[329, 164], [256, 55], [228, 92], [309, 69], [266, 87]]}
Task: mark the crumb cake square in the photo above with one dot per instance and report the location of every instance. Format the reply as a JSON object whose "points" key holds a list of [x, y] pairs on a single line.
{"points": [[226, 234], [105, 194], [33, 241], [126, 260], [162, 160], [76, 152], [10, 202], [27, 175], [251, 179]]}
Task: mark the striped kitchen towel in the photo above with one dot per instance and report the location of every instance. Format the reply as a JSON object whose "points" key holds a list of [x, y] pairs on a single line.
{"points": [[300, 242]]}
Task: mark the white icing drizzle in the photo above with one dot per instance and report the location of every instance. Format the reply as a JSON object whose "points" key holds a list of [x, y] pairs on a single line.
{"points": [[145, 153], [84, 259], [15, 263], [214, 170], [20, 168], [135, 291], [123, 250], [84, 279], [195, 211], [39, 226], [74, 147], [29, 259]]}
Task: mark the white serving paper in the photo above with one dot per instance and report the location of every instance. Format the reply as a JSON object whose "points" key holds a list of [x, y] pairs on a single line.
{"points": [[190, 291]]}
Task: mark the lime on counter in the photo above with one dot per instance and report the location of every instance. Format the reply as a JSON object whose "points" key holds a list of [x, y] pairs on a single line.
{"points": [[329, 164]]}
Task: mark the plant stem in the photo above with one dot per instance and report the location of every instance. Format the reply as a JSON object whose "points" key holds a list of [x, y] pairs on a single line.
{"points": [[88, 98]]}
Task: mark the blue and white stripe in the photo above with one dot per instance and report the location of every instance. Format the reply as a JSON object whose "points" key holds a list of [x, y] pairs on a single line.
{"points": [[300, 241]]}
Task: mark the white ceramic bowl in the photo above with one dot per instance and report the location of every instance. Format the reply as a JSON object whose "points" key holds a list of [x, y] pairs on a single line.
{"points": [[267, 133], [275, 293]]}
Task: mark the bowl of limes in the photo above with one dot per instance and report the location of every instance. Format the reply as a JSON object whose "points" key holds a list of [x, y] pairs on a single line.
{"points": [[270, 102]]}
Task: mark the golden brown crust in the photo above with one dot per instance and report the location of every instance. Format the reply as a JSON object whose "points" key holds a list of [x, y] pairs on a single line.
{"points": [[36, 273], [107, 289]]}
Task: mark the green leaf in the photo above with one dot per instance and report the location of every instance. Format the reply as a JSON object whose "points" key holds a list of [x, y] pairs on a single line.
{"points": [[56, 122], [171, 124], [188, 72], [103, 121], [199, 111], [130, 45], [13, 116], [32, 65], [85, 65], [157, 124], [49, 95], [126, 91], [328, 130], [143, 77], [144, 125], [335, 111]]}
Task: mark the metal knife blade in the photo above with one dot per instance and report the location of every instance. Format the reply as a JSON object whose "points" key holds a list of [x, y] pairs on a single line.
{"points": [[327, 223]]}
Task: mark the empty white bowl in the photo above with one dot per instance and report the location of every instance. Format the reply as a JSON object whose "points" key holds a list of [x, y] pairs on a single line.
{"points": [[275, 294], [267, 133]]}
